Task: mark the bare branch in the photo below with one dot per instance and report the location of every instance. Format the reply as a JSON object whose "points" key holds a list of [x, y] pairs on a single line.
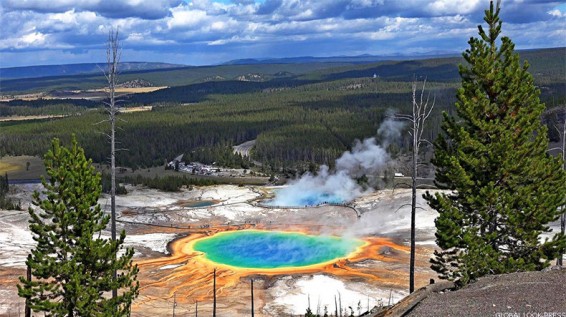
{"points": [[402, 117], [103, 121], [404, 205], [426, 141], [408, 205]]}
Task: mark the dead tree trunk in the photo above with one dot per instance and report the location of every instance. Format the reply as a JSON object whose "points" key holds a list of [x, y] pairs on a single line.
{"points": [[413, 204], [174, 303], [340, 303], [563, 137], [111, 74], [421, 112], [28, 277], [214, 294], [252, 289]]}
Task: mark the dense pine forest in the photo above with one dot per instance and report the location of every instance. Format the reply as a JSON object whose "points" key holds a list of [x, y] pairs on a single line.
{"points": [[298, 115]]}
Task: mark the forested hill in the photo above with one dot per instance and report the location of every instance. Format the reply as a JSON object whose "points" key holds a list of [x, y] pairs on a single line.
{"points": [[299, 114], [546, 66], [167, 77], [76, 69]]}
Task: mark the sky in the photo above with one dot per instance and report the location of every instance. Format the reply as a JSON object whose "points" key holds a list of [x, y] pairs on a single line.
{"points": [[207, 32]]}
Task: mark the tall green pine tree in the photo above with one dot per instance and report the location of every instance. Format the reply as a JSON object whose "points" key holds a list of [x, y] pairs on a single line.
{"points": [[493, 156], [72, 265]]}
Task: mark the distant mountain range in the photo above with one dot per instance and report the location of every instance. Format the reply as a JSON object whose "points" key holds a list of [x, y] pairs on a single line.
{"points": [[95, 68], [365, 58], [77, 69], [547, 64]]}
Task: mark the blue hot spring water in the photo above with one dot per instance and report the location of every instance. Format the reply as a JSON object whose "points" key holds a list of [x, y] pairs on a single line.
{"points": [[305, 199], [270, 250], [319, 199]]}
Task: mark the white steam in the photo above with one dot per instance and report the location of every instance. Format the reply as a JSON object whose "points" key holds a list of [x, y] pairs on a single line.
{"points": [[339, 186], [366, 157], [390, 130]]}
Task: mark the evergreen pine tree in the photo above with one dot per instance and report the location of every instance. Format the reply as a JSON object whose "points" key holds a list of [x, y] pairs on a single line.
{"points": [[505, 187], [72, 266]]}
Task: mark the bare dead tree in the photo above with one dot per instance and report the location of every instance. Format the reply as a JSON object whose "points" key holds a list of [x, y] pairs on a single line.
{"points": [[196, 308], [563, 217], [28, 277], [214, 294], [559, 124], [563, 148], [421, 111], [113, 53], [340, 303], [252, 293], [174, 303]]}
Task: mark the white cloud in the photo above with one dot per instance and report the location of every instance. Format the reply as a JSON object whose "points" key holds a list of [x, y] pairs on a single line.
{"points": [[557, 13], [31, 41], [234, 39], [186, 18], [34, 38], [144, 38], [146, 9], [366, 3], [448, 7], [67, 21], [272, 28], [379, 35], [50, 6], [68, 17]]}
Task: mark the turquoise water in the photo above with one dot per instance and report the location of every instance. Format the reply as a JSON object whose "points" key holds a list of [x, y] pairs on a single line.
{"points": [[269, 250], [304, 199]]}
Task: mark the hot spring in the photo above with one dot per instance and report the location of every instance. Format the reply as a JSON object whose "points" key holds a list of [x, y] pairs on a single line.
{"points": [[199, 203], [304, 199], [254, 249]]}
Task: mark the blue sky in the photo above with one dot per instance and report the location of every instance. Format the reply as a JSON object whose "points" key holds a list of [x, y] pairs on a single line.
{"points": [[204, 32]]}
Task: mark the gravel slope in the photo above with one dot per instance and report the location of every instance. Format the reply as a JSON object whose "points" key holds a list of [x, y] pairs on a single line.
{"points": [[517, 294]]}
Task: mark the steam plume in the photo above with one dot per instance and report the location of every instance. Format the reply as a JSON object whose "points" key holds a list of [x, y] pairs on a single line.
{"points": [[367, 157]]}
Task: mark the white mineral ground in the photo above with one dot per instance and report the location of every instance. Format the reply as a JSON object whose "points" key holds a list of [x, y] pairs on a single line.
{"points": [[384, 214]]}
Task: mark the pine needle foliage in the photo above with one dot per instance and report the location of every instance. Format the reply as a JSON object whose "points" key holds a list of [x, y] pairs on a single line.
{"points": [[72, 265], [505, 187]]}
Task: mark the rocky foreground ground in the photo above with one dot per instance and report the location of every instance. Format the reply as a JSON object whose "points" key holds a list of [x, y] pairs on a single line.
{"points": [[522, 294]]}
